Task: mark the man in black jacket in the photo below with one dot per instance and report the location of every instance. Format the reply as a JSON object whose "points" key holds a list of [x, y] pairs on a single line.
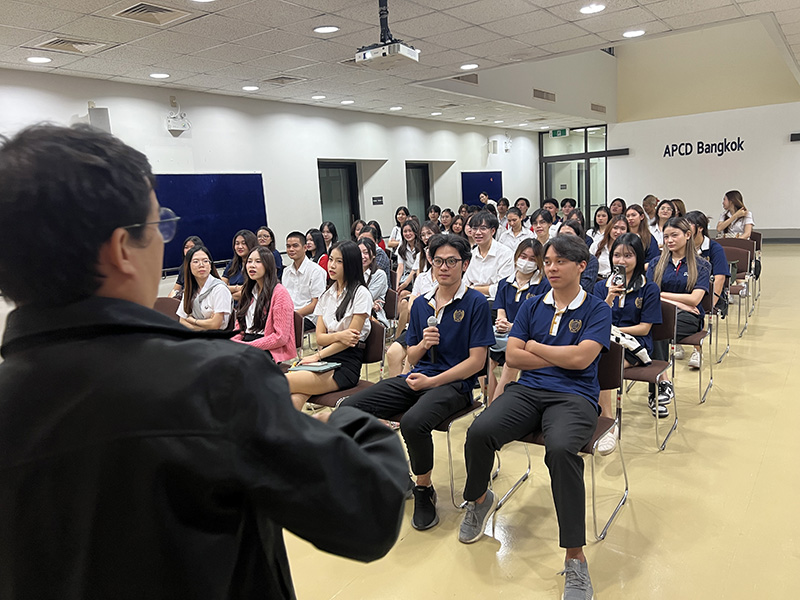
{"points": [[139, 459]]}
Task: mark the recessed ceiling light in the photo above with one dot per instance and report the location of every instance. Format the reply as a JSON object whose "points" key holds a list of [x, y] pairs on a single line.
{"points": [[435, 114], [496, 122], [318, 97], [633, 33], [522, 125], [396, 108], [348, 102], [250, 88], [159, 75], [469, 67], [39, 60], [545, 127], [326, 29], [469, 118], [203, 0], [593, 8]]}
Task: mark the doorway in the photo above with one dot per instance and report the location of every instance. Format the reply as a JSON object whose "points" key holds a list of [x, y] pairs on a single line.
{"points": [[338, 195]]}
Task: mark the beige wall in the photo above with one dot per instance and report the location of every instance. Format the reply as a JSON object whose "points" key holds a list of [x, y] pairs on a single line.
{"points": [[719, 68]]}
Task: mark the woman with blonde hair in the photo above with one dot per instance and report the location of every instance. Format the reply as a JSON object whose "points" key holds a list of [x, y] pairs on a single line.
{"points": [[735, 221]]}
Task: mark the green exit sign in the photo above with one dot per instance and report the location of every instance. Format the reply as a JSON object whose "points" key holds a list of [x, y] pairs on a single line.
{"points": [[558, 133]]}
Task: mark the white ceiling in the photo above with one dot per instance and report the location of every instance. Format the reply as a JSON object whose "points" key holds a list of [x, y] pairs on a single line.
{"points": [[226, 44]]}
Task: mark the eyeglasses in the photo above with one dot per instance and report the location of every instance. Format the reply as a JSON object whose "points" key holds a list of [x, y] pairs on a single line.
{"points": [[167, 224], [200, 261], [450, 261], [481, 228]]}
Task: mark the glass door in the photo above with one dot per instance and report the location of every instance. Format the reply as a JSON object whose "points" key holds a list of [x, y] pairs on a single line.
{"points": [[338, 195], [565, 179], [418, 190]]}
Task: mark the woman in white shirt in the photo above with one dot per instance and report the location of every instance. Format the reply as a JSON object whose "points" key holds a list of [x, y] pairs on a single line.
{"points": [[207, 301], [664, 212], [516, 233], [615, 228], [374, 278], [400, 217], [736, 221], [342, 328], [408, 256], [601, 218]]}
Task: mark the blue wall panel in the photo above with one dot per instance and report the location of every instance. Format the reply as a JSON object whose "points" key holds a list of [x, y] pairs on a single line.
{"points": [[473, 183]]}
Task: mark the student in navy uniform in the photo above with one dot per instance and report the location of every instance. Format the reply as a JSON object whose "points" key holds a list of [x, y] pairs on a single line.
{"points": [[712, 251], [684, 279], [556, 341], [638, 224], [447, 359], [589, 275], [527, 281], [635, 308]]}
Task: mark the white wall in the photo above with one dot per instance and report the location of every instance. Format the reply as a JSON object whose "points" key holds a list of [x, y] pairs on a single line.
{"points": [[282, 141], [767, 172]]}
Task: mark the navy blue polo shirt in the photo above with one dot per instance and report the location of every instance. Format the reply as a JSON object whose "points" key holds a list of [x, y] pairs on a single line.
{"points": [[464, 323], [509, 297], [674, 279], [652, 253], [233, 278], [640, 306], [713, 252], [586, 318]]}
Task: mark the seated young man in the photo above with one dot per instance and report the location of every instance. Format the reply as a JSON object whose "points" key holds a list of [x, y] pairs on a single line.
{"points": [[556, 342], [304, 279], [447, 359], [491, 261]]}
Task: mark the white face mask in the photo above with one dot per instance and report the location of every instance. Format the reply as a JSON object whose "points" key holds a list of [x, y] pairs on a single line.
{"points": [[525, 267]]}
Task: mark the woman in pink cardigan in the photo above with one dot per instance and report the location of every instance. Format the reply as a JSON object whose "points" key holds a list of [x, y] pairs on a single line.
{"points": [[265, 313]]}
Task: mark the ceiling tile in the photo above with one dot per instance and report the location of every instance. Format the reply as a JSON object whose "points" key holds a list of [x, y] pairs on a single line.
{"points": [[324, 6], [791, 28], [586, 41], [232, 53], [486, 11], [209, 81], [497, 48], [276, 41], [14, 36], [274, 13], [245, 72], [552, 35], [18, 56], [788, 16], [570, 11], [136, 55], [84, 6], [102, 66], [144, 74], [172, 40], [193, 64], [533, 21], [465, 37], [707, 16], [17, 14], [279, 62], [653, 27], [324, 51], [429, 25], [86, 74], [759, 6], [623, 19], [672, 8], [367, 12], [443, 4], [106, 30], [220, 28]]}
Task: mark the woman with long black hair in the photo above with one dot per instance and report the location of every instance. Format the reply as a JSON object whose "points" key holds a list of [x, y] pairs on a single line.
{"points": [[233, 275], [637, 223], [342, 328], [315, 248], [374, 278], [265, 313], [329, 234], [401, 215], [408, 255], [207, 302], [189, 243], [266, 237]]}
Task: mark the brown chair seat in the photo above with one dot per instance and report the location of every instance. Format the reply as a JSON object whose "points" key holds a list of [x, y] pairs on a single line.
{"points": [[603, 425], [332, 398]]}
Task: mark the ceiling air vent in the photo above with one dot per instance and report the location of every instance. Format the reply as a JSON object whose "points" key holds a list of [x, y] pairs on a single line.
{"points": [[599, 108], [151, 14], [284, 79], [448, 105], [469, 78], [542, 95], [71, 46]]}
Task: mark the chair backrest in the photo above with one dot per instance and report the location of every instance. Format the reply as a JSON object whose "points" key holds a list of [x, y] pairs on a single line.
{"points": [[756, 237], [666, 329], [392, 279], [609, 369], [375, 343], [739, 256], [708, 299], [390, 305], [749, 245], [168, 307], [298, 330]]}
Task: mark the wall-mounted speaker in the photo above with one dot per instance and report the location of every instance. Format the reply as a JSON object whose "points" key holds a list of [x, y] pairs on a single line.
{"points": [[98, 117]]}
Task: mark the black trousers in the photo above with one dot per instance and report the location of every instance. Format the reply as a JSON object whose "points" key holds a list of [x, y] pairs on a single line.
{"points": [[568, 422], [423, 410], [687, 323]]}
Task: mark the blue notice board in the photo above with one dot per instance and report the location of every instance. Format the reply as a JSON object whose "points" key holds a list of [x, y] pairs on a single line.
{"points": [[213, 207], [475, 182]]}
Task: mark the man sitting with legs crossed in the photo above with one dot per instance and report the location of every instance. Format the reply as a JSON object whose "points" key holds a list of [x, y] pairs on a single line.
{"points": [[556, 342], [447, 358]]}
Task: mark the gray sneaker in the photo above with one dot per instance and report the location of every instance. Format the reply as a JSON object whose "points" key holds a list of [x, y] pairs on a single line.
{"points": [[476, 518], [577, 584]]}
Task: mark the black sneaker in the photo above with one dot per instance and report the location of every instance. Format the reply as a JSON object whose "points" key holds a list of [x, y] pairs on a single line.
{"points": [[666, 392], [425, 515], [659, 410]]}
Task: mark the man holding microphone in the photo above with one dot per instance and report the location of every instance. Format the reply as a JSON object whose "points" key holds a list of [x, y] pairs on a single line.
{"points": [[449, 331]]}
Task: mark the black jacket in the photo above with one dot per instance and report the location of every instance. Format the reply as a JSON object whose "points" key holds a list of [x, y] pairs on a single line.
{"points": [[139, 459]]}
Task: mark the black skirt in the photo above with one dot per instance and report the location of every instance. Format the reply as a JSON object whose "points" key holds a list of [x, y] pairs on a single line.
{"points": [[349, 373]]}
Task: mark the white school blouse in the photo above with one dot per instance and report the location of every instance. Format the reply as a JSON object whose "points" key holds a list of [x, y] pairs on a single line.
{"points": [[361, 305]]}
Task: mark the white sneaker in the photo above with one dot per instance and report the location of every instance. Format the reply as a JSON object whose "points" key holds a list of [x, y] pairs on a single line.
{"points": [[694, 361], [608, 443], [679, 352]]}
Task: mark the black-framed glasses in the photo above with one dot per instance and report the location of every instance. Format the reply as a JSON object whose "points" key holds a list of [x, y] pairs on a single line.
{"points": [[450, 261], [167, 223]]}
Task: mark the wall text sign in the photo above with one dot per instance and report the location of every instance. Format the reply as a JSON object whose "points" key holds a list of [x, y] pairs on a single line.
{"points": [[721, 148]]}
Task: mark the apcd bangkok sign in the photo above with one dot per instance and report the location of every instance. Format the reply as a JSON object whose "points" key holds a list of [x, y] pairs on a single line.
{"points": [[721, 148]]}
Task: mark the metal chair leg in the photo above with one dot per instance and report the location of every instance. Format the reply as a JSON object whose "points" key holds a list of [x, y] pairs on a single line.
{"points": [[519, 481], [623, 499]]}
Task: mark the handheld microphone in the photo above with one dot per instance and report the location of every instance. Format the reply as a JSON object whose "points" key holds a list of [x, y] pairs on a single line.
{"points": [[432, 322]]}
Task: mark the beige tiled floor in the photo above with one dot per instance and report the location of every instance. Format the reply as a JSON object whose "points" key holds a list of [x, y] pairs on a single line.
{"points": [[713, 516]]}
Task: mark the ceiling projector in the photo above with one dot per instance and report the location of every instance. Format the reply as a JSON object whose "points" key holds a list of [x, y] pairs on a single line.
{"points": [[385, 56]]}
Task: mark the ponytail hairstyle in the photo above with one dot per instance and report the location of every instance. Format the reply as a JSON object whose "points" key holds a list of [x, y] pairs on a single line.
{"points": [[737, 203], [319, 245], [634, 242], [190, 286], [353, 274], [268, 284], [606, 242], [644, 228], [690, 254], [699, 220]]}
